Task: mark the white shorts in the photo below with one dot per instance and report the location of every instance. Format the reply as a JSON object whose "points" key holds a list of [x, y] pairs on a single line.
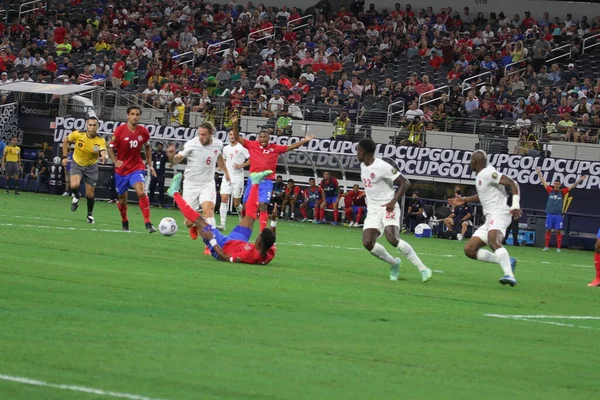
{"points": [[378, 218], [196, 195], [493, 222], [235, 188]]}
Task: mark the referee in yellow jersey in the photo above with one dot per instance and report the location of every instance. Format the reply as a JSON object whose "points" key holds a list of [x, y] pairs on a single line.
{"points": [[89, 148], [11, 163]]}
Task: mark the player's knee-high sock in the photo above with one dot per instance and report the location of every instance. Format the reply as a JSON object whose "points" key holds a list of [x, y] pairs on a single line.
{"points": [[185, 208], [240, 209], [349, 214], [303, 212], [548, 236], [252, 204], [504, 261], [223, 213], [75, 192], [558, 240], [318, 213], [263, 218], [336, 215], [380, 252], [409, 253], [123, 210], [597, 263], [359, 215], [487, 256], [90, 205], [144, 203], [211, 221]]}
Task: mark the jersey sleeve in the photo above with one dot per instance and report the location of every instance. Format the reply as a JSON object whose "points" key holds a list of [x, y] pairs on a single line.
{"points": [[245, 152], [280, 149], [186, 150], [389, 172], [249, 144], [145, 134], [102, 144], [115, 138], [549, 189], [72, 136], [564, 191], [492, 176]]}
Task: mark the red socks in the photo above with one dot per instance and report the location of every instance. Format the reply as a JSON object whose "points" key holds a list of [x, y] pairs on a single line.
{"points": [[359, 214], [144, 203], [597, 262], [123, 210], [336, 215], [303, 212], [548, 236], [349, 214], [558, 240], [185, 208], [263, 219]]}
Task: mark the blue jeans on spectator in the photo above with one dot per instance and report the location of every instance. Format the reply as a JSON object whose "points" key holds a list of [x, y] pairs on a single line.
{"points": [[38, 181]]}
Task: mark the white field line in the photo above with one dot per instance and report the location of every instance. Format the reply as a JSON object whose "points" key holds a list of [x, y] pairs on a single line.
{"points": [[542, 319], [75, 388], [300, 244]]}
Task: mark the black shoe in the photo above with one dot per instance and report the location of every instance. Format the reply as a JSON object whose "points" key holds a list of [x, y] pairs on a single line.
{"points": [[150, 227], [125, 225], [17, 192], [74, 204], [90, 220]]}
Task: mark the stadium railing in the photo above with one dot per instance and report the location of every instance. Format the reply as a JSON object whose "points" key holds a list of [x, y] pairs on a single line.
{"points": [[24, 8], [585, 46]]}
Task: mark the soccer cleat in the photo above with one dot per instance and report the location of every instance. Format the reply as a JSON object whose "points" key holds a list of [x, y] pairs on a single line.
{"points": [[459, 237], [508, 280], [17, 192], [334, 223], [304, 220], [594, 283], [193, 232], [513, 264], [545, 249], [426, 275], [316, 221], [351, 224], [557, 250], [395, 270], [221, 227], [357, 225], [257, 177], [90, 220], [324, 221], [175, 185], [150, 227], [74, 204], [125, 225], [65, 194], [207, 251]]}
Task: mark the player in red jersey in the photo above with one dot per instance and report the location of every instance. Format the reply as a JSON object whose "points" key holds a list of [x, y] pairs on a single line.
{"points": [[128, 140], [293, 197], [234, 247], [263, 156], [331, 190], [355, 203]]}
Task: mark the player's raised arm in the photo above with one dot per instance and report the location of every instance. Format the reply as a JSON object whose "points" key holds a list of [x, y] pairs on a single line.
{"points": [[174, 157], [539, 172], [581, 179], [235, 128], [306, 139]]}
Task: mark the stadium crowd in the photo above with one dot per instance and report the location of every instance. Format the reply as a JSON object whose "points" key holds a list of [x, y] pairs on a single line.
{"points": [[346, 65]]}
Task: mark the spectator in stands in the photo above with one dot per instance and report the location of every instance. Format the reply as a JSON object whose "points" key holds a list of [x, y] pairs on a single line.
{"points": [[471, 103], [415, 129], [118, 71], [565, 129], [178, 112], [528, 144], [583, 132], [283, 126], [275, 105], [294, 110], [341, 123]]}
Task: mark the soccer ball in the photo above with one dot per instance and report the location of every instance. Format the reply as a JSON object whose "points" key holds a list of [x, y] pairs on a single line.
{"points": [[167, 226]]}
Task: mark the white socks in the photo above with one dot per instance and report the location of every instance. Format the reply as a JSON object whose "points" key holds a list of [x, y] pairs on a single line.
{"points": [[212, 221], [223, 213], [504, 261], [409, 253], [487, 256], [239, 209], [380, 252], [500, 256]]}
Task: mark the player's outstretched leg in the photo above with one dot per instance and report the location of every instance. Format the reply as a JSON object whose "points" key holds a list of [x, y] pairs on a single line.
{"points": [[175, 185], [370, 243], [409, 253], [257, 177], [474, 249], [596, 282]]}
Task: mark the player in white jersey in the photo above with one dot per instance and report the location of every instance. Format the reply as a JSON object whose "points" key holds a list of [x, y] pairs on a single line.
{"points": [[203, 154], [236, 157], [491, 193], [383, 211]]}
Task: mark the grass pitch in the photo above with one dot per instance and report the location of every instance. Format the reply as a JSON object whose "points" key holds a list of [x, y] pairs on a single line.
{"points": [[149, 315]]}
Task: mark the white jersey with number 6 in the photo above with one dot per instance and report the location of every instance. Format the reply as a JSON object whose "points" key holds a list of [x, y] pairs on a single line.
{"points": [[235, 155], [378, 180], [201, 162]]}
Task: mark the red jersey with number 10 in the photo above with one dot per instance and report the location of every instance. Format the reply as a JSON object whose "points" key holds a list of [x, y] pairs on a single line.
{"points": [[128, 145], [264, 158]]}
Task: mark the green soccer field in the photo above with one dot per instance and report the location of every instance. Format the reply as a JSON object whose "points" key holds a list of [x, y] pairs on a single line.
{"points": [[133, 314]]}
